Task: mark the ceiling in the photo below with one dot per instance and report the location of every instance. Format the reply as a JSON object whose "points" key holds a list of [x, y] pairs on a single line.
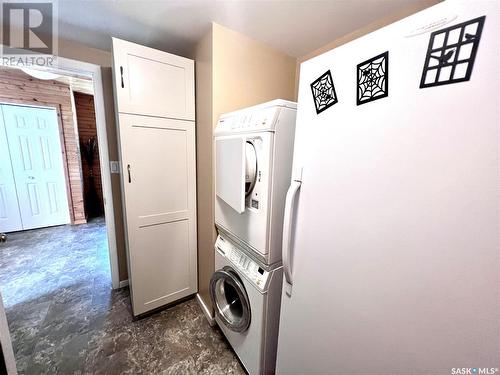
{"points": [[295, 27]]}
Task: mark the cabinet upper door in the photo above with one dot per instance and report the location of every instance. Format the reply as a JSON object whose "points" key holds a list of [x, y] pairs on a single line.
{"points": [[153, 83]]}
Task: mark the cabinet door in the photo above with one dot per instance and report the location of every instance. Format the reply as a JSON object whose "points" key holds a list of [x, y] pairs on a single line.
{"points": [[158, 166], [153, 83]]}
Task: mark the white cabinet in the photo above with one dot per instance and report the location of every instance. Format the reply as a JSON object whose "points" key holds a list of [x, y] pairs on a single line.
{"points": [[155, 104]]}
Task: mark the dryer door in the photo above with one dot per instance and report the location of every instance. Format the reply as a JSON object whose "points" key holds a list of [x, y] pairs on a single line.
{"points": [[230, 171], [230, 299], [236, 170]]}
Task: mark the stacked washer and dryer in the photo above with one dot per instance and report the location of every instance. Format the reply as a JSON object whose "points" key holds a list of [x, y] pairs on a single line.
{"points": [[254, 151]]}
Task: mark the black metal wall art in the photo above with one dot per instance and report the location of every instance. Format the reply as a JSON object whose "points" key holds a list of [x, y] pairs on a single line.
{"points": [[323, 92], [373, 79], [451, 53]]}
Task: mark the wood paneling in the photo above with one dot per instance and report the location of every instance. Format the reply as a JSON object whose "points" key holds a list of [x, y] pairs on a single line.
{"points": [[17, 87], [85, 118]]}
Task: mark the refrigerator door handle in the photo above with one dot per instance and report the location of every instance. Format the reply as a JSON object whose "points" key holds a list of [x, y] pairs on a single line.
{"points": [[291, 198]]}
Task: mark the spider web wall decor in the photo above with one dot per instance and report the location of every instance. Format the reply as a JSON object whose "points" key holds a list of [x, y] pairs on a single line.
{"points": [[451, 53], [323, 92], [373, 79]]}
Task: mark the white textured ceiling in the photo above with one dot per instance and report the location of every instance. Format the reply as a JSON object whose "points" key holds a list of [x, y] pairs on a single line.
{"points": [[295, 27]]}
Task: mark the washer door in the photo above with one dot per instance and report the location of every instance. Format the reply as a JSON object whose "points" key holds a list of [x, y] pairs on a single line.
{"points": [[230, 299]]}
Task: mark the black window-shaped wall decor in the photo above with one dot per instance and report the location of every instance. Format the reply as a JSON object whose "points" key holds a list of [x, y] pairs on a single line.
{"points": [[323, 92], [373, 79], [451, 53]]}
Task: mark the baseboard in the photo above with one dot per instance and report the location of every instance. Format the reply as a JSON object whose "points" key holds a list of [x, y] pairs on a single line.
{"points": [[206, 310], [123, 283]]}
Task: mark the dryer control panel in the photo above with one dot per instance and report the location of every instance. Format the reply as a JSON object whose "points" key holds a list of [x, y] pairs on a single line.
{"points": [[246, 121], [243, 263], [262, 117]]}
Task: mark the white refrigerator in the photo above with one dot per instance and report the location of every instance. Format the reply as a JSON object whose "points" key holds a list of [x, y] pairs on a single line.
{"points": [[391, 247]]}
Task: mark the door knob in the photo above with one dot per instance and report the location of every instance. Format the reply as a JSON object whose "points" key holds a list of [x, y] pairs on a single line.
{"points": [[3, 237]]}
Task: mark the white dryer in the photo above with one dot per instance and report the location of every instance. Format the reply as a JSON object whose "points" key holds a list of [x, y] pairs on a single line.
{"points": [[247, 300], [254, 151]]}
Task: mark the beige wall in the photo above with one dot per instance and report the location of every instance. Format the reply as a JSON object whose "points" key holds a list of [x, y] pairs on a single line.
{"points": [[81, 52], [408, 11], [204, 167], [109, 104], [232, 72], [246, 72], [77, 51]]}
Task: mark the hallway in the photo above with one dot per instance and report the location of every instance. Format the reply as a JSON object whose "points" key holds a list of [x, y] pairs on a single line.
{"points": [[65, 318]]}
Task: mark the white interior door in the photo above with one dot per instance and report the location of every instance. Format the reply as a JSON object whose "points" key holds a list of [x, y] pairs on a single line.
{"points": [[37, 164], [152, 82], [10, 217], [158, 174]]}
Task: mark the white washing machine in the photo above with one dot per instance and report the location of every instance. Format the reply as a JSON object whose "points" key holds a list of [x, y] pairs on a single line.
{"points": [[254, 151], [247, 300]]}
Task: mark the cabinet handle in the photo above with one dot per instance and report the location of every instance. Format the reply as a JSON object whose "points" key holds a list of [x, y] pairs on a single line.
{"points": [[128, 170], [121, 73]]}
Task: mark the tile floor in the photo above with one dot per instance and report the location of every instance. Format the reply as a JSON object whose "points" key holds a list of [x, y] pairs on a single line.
{"points": [[65, 319]]}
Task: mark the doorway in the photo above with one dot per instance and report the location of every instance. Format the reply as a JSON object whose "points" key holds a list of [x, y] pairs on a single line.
{"points": [[54, 273]]}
